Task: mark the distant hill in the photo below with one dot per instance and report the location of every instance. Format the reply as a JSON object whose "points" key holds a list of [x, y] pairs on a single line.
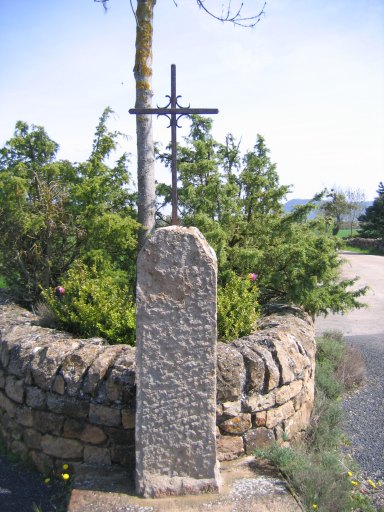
{"points": [[290, 205]]}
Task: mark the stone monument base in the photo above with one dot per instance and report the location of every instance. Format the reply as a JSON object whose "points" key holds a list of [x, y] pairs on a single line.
{"points": [[159, 486]]}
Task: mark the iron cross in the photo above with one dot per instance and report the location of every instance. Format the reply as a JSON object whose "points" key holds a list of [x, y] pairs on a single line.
{"points": [[174, 112]]}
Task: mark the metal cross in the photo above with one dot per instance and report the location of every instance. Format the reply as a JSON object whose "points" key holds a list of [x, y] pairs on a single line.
{"points": [[174, 112]]}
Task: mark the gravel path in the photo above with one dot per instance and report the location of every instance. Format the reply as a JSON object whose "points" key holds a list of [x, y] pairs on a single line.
{"points": [[365, 409], [364, 329]]}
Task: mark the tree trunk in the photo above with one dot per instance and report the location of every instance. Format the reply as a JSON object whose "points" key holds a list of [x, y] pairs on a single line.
{"points": [[145, 149]]}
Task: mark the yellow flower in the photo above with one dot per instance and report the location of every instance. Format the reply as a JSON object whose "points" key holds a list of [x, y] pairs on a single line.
{"points": [[47, 480], [65, 466], [350, 473], [372, 483], [353, 482], [314, 506], [64, 476]]}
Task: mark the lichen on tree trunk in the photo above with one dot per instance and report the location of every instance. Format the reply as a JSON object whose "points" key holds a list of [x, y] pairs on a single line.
{"points": [[145, 148]]}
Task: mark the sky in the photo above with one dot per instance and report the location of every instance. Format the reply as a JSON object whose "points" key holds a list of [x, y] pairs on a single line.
{"points": [[309, 78]]}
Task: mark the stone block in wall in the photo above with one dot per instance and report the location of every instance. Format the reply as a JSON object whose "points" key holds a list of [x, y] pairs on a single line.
{"points": [[254, 371], [47, 422], [7, 405], [123, 454], [57, 447], [14, 389], [128, 417], [236, 425], [299, 421], [258, 438], [257, 403], [58, 385], [79, 429], [76, 364], [120, 435], [41, 460], [263, 349], [104, 415], [22, 353], [278, 414], [229, 447], [93, 435], [46, 363], [120, 384], [288, 391], [230, 373], [19, 448], [230, 409], [32, 438], [67, 405], [96, 455], [11, 427], [24, 416], [35, 397], [10, 338], [99, 368], [260, 419]]}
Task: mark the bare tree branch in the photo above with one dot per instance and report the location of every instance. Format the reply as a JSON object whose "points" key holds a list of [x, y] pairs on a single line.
{"points": [[104, 2], [236, 18]]}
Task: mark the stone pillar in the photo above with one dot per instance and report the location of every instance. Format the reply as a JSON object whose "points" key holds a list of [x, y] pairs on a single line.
{"points": [[176, 365]]}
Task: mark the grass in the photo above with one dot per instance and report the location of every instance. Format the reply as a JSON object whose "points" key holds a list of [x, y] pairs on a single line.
{"points": [[322, 476], [373, 251], [2, 282], [346, 232]]}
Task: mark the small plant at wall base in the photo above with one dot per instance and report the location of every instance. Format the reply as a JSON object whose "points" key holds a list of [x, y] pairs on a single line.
{"points": [[316, 469]]}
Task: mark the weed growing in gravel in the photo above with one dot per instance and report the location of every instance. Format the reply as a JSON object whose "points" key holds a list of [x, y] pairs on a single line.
{"points": [[61, 480], [315, 469]]}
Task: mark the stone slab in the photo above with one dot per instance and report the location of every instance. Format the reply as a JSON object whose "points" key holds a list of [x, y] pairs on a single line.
{"points": [[176, 364], [247, 486]]}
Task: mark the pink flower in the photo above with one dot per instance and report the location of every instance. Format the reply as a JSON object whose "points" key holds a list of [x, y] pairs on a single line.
{"points": [[252, 277], [60, 290]]}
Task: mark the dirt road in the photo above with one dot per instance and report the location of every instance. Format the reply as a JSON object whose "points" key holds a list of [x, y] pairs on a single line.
{"points": [[370, 320]]}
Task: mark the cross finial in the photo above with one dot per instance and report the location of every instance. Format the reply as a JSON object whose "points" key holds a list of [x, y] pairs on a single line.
{"points": [[174, 112]]}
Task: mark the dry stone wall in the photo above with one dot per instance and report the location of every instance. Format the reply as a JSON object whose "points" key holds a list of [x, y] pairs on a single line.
{"points": [[366, 243], [73, 400]]}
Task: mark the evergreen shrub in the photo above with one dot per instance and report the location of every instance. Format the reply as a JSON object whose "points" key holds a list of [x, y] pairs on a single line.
{"points": [[237, 306], [93, 301]]}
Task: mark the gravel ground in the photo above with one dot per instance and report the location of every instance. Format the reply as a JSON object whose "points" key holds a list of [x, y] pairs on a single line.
{"points": [[21, 487], [364, 409]]}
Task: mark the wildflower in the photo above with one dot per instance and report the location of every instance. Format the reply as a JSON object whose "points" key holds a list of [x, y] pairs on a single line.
{"points": [[47, 480], [353, 482], [59, 291], [372, 483], [65, 466], [252, 277], [350, 473], [314, 506], [65, 476]]}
